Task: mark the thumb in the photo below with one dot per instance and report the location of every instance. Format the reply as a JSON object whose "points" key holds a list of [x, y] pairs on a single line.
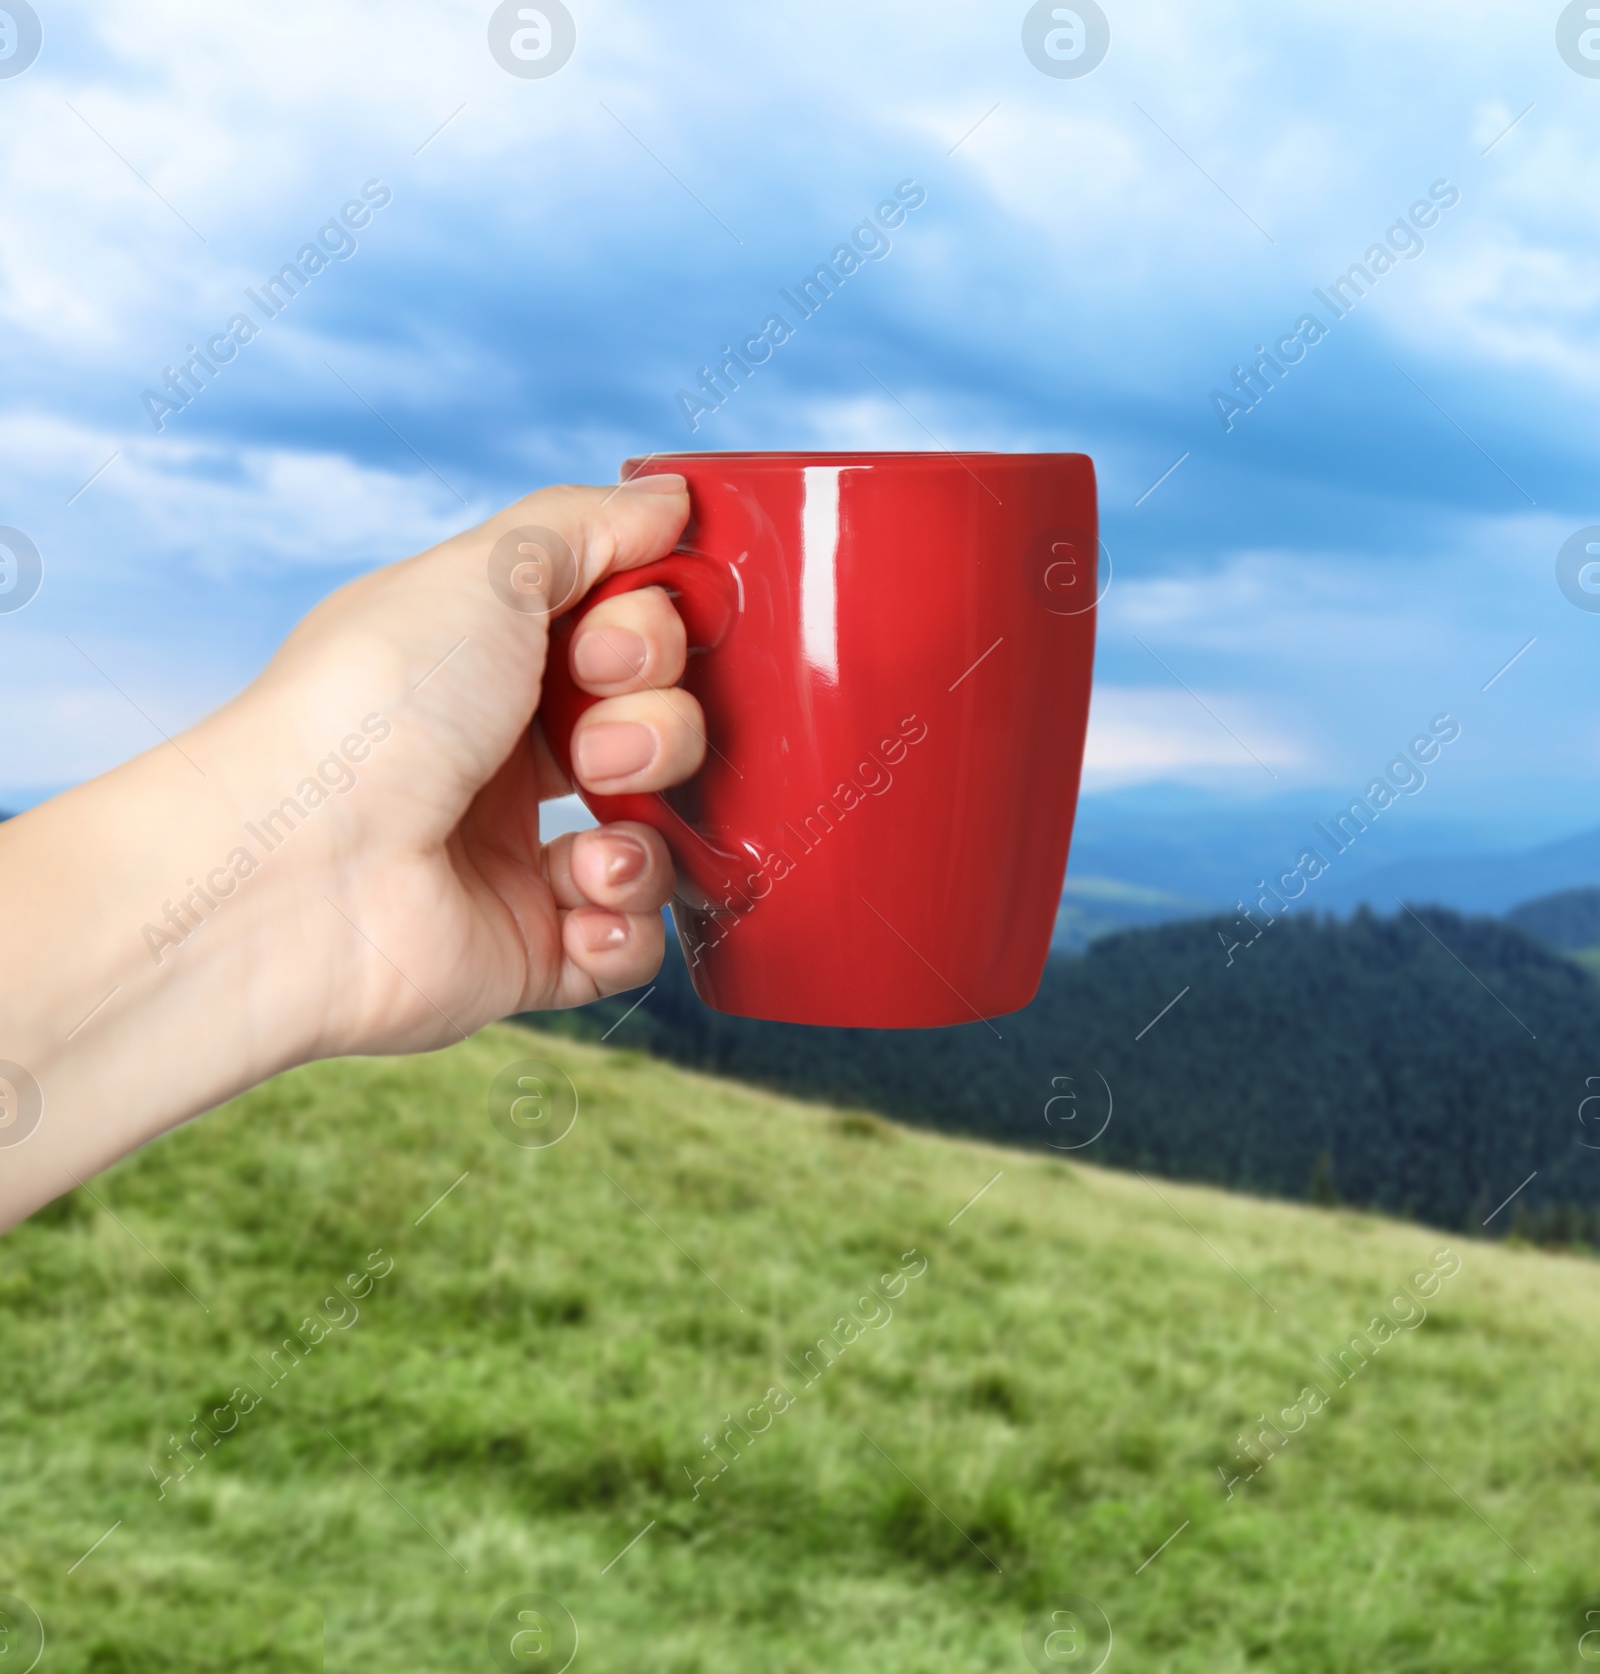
{"points": [[456, 637], [546, 551]]}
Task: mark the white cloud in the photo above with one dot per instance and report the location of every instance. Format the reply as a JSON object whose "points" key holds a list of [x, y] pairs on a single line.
{"points": [[169, 502], [269, 505], [1144, 734], [1286, 611]]}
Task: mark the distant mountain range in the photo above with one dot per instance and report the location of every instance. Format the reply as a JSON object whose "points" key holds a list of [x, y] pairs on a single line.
{"points": [[1094, 907], [1160, 866], [1483, 883], [1565, 921]]}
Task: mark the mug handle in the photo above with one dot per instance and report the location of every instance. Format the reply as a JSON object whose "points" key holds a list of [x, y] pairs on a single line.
{"points": [[707, 594]]}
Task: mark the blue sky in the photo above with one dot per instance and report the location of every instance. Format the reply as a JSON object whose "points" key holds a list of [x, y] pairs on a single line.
{"points": [[1361, 551]]}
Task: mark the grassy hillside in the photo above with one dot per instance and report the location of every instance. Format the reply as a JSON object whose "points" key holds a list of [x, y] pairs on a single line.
{"points": [[1033, 1414], [1568, 921]]}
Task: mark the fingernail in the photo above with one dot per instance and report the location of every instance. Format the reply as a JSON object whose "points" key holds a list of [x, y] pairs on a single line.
{"points": [[658, 482], [602, 932], [624, 856], [612, 749], [606, 654]]}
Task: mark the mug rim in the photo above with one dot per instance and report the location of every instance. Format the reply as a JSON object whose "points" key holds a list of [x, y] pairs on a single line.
{"points": [[820, 456]]}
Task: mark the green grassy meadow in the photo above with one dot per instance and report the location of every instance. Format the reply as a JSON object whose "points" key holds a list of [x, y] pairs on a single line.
{"points": [[1032, 1414]]}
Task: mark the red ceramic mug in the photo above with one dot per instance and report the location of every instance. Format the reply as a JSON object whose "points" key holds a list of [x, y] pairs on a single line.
{"points": [[893, 652]]}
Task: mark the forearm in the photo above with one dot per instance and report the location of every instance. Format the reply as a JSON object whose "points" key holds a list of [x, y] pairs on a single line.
{"points": [[134, 995]]}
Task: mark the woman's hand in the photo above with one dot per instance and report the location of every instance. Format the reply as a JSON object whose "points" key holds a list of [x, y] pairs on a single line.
{"points": [[346, 857], [426, 889]]}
